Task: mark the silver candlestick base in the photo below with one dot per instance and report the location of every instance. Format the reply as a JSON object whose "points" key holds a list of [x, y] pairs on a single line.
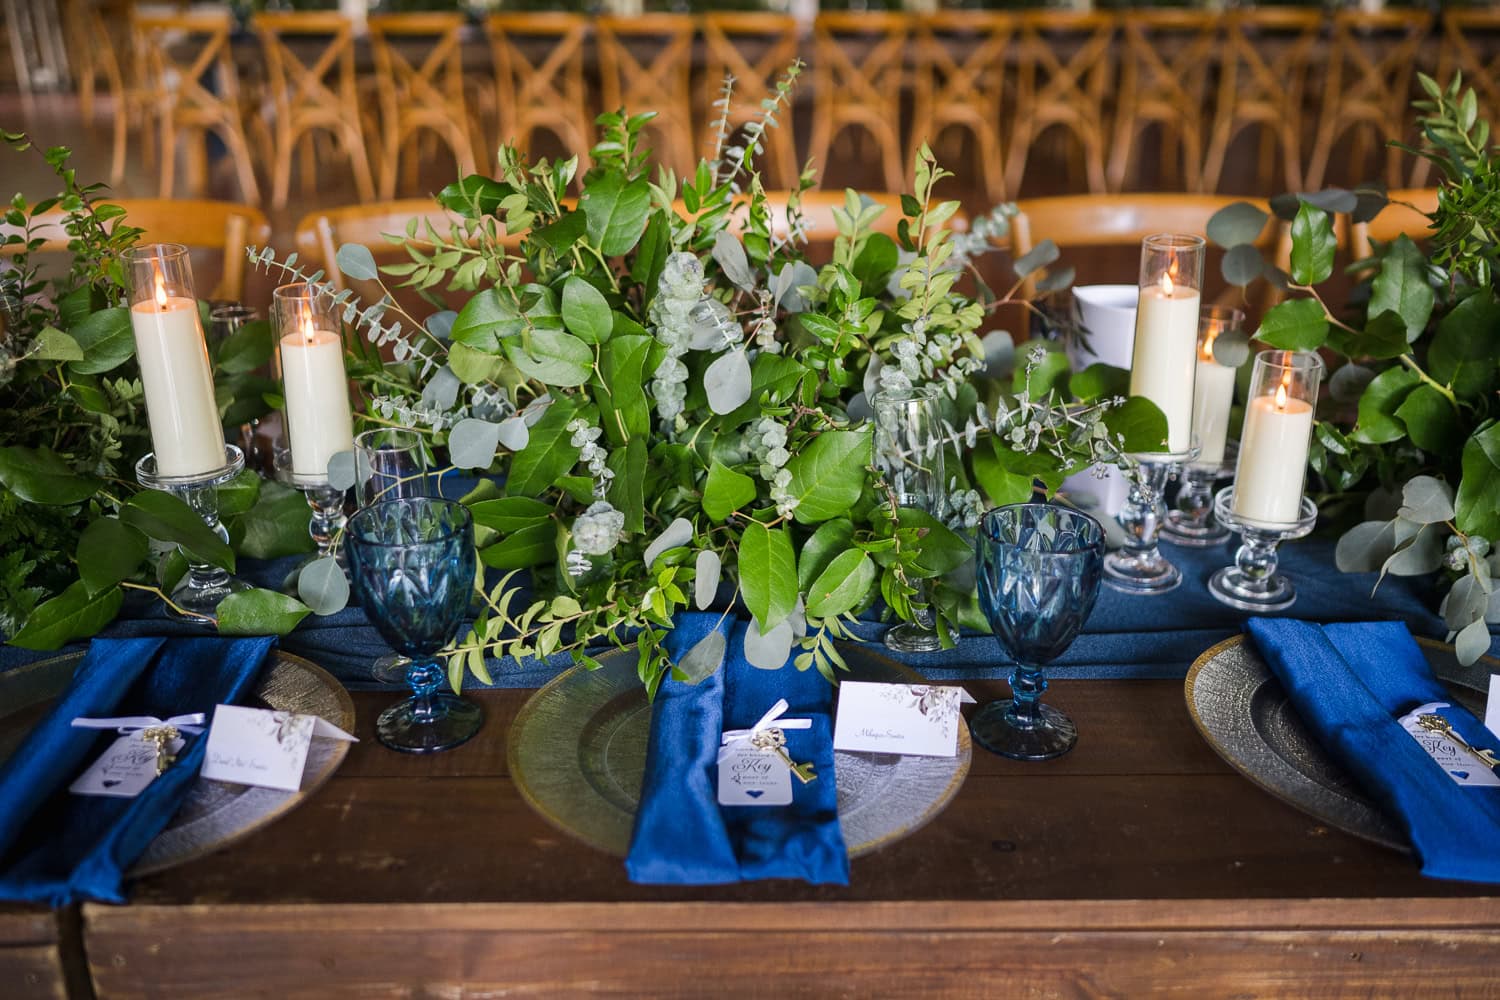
{"points": [[1252, 583], [204, 585], [1138, 567]]}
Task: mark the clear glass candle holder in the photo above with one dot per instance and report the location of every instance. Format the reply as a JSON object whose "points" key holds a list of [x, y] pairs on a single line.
{"points": [[908, 451], [1192, 523], [196, 596]]}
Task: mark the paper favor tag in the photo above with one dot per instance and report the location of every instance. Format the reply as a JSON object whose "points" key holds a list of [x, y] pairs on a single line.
{"points": [[752, 777], [124, 770], [921, 720], [258, 746], [1460, 765], [1492, 706]]}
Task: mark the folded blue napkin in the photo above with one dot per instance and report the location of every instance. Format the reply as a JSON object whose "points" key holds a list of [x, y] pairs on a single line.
{"points": [[58, 848], [682, 835], [1350, 684]]}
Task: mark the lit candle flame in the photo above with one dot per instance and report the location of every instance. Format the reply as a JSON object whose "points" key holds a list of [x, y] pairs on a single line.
{"points": [[1281, 390], [1206, 351], [307, 328], [161, 290], [1166, 283]]}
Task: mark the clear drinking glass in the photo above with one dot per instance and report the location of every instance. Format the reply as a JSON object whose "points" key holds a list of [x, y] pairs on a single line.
{"points": [[412, 567], [1039, 568], [909, 452], [389, 463]]}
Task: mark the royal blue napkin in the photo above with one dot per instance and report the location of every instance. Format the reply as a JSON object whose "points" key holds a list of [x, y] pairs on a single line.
{"points": [[682, 835], [1350, 684], [58, 848]]}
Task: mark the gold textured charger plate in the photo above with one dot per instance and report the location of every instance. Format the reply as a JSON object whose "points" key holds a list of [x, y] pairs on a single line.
{"points": [[215, 813], [577, 752], [1244, 714]]}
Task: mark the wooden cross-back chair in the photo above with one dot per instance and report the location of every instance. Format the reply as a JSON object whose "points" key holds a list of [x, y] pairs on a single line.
{"points": [[424, 95], [316, 97], [1367, 91], [645, 63], [92, 27], [858, 72], [546, 95], [959, 82], [1470, 45], [1165, 60], [730, 42], [177, 55], [1062, 78], [198, 224], [1406, 214], [1266, 55]]}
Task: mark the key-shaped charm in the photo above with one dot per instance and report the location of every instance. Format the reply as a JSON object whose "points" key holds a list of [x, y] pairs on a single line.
{"points": [[1438, 724], [161, 737], [774, 740]]}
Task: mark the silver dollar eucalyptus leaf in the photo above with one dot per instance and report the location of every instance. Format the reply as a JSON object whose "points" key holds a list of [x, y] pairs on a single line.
{"points": [[1232, 349], [798, 618], [536, 409], [711, 322], [769, 651], [323, 586], [1426, 500], [859, 408], [872, 374], [706, 582], [731, 257], [356, 261], [341, 470], [440, 324], [472, 443], [514, 433], [678, 533], [442, 389], [789, 284], [706, 656], [727, 382]]}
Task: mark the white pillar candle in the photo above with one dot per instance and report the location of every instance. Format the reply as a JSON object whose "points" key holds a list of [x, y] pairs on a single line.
{"points": [[1273, 458], [318, 417], [1213, 394], [186, 435], [1164, 361]]}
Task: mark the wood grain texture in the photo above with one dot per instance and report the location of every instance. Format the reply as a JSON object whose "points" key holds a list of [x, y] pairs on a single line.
{"points": [[1138, 861], [31, 962]]}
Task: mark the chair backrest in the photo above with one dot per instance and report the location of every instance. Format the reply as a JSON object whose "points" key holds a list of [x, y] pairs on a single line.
{"points": [[644, 64], [754, 47], [320, 89], [549, 92], [177, 55], [436, 81], [1406, 213]]}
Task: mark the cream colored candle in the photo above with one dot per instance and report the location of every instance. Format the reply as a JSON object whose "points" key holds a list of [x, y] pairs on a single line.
{"points": [[319, 421], [186, 435], [1164, 362], [1213, 394], [1273, 458]]}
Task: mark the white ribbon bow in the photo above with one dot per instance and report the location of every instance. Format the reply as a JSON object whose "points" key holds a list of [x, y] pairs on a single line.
{"points": [[771, 720], [127, 724]]}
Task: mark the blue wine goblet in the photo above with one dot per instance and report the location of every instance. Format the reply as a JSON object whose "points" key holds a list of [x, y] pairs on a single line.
{"points": [[411, 563], [1039, 568]]}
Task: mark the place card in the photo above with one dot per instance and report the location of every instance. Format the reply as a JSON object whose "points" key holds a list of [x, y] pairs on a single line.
{"points": [[1492, 706], [258, 746], [750, 776], [1459, 764], [920, 720], [124, 769]]}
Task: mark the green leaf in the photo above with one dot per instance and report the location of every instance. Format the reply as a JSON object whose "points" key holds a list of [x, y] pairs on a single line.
{"points": [[651, 256], [1236, 225], [1426, 500], [1313, 245], [1242, 264], [40, 476], [1040, 380], [323, 586], [559, 359], [560, 235], [619, 387], [940, 551], [1036, 258], [585, 311], [54, 345], [1099, 381], [1384, 336], [548, 453], [768, 574], [877, 259], [530, 546], [485, 320], [1365, 547], [831, 539], [1402, 286], [277, 525], [828, 476], [1142, 423], [1377, 422], [109, 551], [168, 519], [472, 365], [260, 612], [1478, 513], [1295, 325], [1001, 485], [616, 212], [247, 348], [239, 494], [627, 491], [1465, 352], [726, 491], [509, 514], [73, 614], [475, 191], [106, 339], [842, 585], [356, 261], [1431, 422]]}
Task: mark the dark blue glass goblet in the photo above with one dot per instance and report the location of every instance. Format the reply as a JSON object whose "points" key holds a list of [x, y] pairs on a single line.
{"points": [[411, 563], [1039, 568]]}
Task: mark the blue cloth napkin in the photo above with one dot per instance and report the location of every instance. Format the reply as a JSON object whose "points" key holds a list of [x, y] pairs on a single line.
{"points": [[58, 848], [682, 835], [1351, 683]]}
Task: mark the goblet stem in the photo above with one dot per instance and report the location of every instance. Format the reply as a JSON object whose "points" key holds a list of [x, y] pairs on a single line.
{"points": [[1027, 683], [425, 677]]}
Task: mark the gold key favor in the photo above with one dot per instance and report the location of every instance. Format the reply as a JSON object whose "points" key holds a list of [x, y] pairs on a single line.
{"points": [[161, 738], [1438, 724], [774, 740]]}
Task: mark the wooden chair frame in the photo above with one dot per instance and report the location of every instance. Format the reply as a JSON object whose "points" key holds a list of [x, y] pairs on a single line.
{"points": [[661, 82], [1407, 214], [1055, 91], [754, 81], [1461, 29], [865, 95], [965, 92], [1165, 60], [550, 94], [420, 98]]}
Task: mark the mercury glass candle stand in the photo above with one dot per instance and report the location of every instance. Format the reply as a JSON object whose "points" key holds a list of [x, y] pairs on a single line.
{"points": [[1252, 583], [204, 585]]}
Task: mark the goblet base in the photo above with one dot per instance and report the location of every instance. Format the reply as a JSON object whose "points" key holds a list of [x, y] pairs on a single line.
{"points": [[390, 668], [996, 728], [1136, 574], [910, 638], [448, 722], [1182, 530], [199, 598], [1239, 590]]}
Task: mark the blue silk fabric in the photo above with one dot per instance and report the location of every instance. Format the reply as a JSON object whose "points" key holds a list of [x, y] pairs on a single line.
{"points": [[1351, 683], [682, 835], [58, 848]]}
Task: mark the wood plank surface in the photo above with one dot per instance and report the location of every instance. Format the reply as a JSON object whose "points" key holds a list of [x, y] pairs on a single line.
{"points": [[31, 955], [1140, 859]]}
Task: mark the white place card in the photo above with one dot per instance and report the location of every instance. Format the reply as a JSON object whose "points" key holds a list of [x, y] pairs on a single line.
{"points": [[124, 770], [1492, 706], [1459, 764], [749, 776], [921, 720], [258, 746]]}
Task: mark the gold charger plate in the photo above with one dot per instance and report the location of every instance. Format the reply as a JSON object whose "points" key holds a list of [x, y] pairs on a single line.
{"points": [[1242, 711], [577, 752], [215, 813]]}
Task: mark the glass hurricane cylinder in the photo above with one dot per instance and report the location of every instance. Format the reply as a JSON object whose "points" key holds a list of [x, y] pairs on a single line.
{"points": [[1193, 523], [909, 453]]}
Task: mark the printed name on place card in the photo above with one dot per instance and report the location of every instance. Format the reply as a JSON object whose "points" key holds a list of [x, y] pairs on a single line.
{"points": [[920, 720], [257, 746]]}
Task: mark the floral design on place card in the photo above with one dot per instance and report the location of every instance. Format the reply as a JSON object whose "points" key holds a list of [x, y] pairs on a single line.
{"points": [[915, 719]]}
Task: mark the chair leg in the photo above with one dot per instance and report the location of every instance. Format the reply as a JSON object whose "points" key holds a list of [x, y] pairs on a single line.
{"points": [[168, 155], [196, 152], [390, 156], [239, 148], [281, 175], [354, 145], [890, 152], [987, 146], [121, 126], [817, 147]]}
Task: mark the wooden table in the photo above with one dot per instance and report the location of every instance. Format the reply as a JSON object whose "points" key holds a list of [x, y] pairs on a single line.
{"points": [[1140, 860]]}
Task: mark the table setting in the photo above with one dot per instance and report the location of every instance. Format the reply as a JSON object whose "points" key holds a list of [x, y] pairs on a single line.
{"points": [[749, 525]]}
